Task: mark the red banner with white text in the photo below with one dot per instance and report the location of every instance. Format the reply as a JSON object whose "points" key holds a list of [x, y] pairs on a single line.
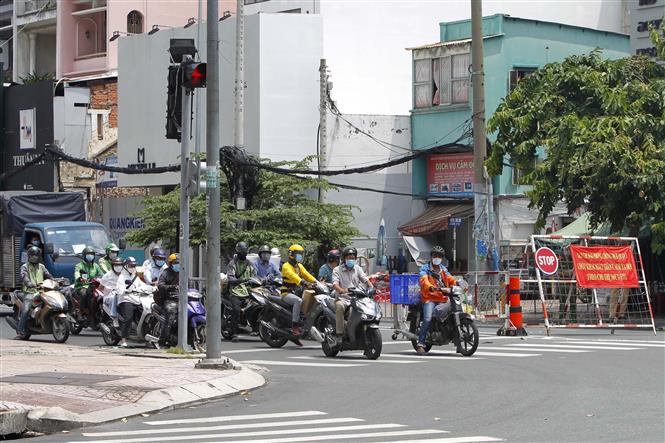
{"points": [[604, 266]]}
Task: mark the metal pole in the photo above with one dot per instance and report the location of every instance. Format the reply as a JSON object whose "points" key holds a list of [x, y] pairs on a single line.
{"points": [[240, 93], [454, 247], [184, 215], [196, 269], [213, 295], [479, 136], [323, 130]]}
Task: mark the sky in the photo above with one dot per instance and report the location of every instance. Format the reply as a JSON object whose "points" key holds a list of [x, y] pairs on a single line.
{"points": [[365, 40]]}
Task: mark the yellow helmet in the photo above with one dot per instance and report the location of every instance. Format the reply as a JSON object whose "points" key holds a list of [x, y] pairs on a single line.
{"points": [[294, 249], [172, 258]]}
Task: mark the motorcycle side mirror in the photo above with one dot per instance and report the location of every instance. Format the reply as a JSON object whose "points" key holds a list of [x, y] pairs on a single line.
{"points": [[122, 244], [128, 282]]}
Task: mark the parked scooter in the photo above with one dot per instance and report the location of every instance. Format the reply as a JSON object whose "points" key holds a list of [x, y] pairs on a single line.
{"points": [[143, 322], [196, 320], [250, 312], [48, 314], [361, 331], [90, 318], [448, 325]]}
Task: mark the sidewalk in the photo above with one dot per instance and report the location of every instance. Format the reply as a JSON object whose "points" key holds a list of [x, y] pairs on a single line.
{"points": [[50, 387]]}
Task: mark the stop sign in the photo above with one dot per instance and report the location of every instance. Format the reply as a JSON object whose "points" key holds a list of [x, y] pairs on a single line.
{"points": [[547, 261]]}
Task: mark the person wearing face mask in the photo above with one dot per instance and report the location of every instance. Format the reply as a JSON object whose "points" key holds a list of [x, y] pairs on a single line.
{"points": [[106, 263], [326, 270], [129, 289], [84, 272], [157, 265], [435, 283], [108, 283], [296, 278], [33, 273], [167, 284], [265, 269], [34, 241], [347, 275]]}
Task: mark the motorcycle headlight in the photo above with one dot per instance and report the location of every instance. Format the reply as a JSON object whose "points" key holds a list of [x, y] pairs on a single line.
{"points": [[363, 317]]}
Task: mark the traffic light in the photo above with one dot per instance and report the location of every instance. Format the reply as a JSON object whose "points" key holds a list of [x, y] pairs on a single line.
{"points": [[196, 178], [193, 74], [174, 104]]}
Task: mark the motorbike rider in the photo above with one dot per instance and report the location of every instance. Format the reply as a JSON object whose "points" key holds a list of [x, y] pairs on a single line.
{"points": [[33, 274], [296, 278], [433, 276], [128, 290], [347, 275], [266, 269], [108, 283], [168, 284], [106, 263], [84, 272], [326, 270], [240, 270], [152, 272]]}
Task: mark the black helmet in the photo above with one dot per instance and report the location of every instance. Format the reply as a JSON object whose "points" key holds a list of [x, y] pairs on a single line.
{"points": [[349, 250], [438, 251], [34, 254], [332, 255], [264, 248], [242, 248], [117, 261], [88, 251]]}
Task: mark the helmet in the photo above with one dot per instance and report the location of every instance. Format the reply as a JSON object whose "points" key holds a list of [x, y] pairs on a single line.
{"points": [[438, 251], [88, 251], [117, 261], [111, 247], [333, 255], [349, 250], [159, 253], [264, 248], [129, 262], [172, 258], [242, 248], [34, 254], [295, 249], [274, 251]]}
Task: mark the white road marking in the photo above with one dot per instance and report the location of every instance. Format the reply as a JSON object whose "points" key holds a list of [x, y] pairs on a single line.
{"points": [[473, 439], [432, 356], [617, 343], [598, 348], [532, 348], [242, 351], [340, 436], [227, 418], [505, 354], [310, 357], [296, 363]]}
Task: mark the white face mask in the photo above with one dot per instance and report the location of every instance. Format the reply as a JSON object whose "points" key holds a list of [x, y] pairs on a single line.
{"points": [[437, 261]]}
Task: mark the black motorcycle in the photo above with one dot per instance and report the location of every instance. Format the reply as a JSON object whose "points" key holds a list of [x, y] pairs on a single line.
{"points": [[454, 326], [250, 311]]}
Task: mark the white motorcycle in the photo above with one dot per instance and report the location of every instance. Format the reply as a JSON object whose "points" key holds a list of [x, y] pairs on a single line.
{"points": [[143, 322]]}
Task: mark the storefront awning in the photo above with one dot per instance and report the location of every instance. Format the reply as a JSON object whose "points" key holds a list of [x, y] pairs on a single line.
{"points": [[435, 219]]}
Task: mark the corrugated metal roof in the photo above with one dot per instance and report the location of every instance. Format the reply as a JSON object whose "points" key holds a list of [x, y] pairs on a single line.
{"points": [[450, 44]]}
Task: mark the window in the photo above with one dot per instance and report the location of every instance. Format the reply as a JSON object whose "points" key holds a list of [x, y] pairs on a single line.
{"points": [[135, 22], [519, 173], [86, 38], [441, 81], [516, 75]]}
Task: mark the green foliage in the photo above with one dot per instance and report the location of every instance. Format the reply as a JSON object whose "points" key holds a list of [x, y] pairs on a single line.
{"points": [[658, 39], [282, 213], [602, 125], [36, 78]]}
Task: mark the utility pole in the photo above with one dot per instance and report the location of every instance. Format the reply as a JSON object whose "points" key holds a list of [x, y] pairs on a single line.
{"points": [[196, 270], [213, 294], [184, 212], [480, 203], [323, 130], [240, 95]]}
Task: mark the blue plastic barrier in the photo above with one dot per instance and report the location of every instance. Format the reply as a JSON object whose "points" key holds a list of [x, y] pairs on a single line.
{"points": [[404, 289]]}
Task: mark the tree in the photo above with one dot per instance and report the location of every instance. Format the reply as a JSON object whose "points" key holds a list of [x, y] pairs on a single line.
{"points": [[602, 126], [281, 214]]}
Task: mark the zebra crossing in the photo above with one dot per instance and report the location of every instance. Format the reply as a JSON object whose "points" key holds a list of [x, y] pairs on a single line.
{"points": [[282, 427], [491, 347]]}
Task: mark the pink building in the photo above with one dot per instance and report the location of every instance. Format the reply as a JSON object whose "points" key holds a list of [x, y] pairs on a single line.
{"points": [[84, 28]]}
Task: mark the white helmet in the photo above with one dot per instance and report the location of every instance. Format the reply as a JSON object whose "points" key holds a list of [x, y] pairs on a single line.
{"points": [[274, 251]]}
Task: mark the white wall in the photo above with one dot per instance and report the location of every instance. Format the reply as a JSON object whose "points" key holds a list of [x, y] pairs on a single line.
{"points": [[364, 40], [281, 92]]}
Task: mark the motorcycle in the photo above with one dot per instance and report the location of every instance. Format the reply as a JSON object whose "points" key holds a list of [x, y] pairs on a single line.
{"points": [[250, 312], [143, 322], [454, 325], [196, 319], [48, 314], [361, 331], [276, 318], [89, 318]]}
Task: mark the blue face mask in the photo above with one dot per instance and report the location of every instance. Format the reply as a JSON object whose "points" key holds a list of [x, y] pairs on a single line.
{"points": [[437, 261], [89, 258], [176, 267], [299, 258], [36, 243], [159, 263], [350, 263]]}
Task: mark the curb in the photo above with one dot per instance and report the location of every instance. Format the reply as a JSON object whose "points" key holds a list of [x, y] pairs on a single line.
{"points": [[51, 420]]}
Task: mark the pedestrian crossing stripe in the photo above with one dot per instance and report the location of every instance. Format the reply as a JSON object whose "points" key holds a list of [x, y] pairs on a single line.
{"points": [[357, 357], [299, 363], [535, 348], [598, 348], [227, 418]]}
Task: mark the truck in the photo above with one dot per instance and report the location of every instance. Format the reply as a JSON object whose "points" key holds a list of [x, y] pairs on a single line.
{"points": [[58, 221]]}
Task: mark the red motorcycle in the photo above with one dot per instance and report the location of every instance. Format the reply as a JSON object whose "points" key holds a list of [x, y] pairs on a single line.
{"points": [[80, 318]]}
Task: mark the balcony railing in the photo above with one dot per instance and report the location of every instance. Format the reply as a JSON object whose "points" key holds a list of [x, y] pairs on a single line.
{"points": [[32, 6]]}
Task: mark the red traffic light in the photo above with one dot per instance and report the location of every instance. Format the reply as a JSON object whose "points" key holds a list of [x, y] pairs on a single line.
{"points": [[194, 74]]}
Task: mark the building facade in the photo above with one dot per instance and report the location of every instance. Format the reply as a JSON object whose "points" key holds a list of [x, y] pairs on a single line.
{"points": [[644, 14], [442, 97]]}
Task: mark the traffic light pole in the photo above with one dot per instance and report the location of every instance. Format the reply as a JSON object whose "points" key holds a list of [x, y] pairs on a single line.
{"points": [[184, 214]]}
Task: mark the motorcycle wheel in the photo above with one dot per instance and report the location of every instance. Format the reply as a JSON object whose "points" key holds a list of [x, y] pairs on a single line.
{"points": [[328, 335], [414, 329], [75, 327], [60, 329], [469, 339], [111, 338], [272, 340], [200, 344], [373, 344]]}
